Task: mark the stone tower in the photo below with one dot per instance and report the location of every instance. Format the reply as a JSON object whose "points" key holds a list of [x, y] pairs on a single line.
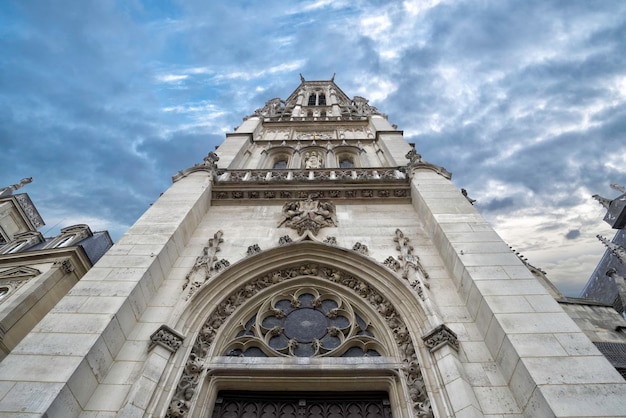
{"points": [[313, 265]]}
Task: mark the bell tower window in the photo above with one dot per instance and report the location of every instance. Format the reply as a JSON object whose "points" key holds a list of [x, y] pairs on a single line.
{"points": [[280, 165], [346, 163]]}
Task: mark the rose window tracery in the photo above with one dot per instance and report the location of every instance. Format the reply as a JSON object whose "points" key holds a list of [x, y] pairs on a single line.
{"points": [[306, 322]]}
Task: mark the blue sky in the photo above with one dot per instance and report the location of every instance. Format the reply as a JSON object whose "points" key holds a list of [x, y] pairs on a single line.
{"points": [[102, 101]]}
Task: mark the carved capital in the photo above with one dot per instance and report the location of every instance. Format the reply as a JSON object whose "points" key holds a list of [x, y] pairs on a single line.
{"points": [[440, 336], [166, 337]]}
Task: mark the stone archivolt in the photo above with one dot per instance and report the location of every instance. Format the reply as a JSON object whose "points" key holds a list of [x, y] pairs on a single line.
{"points": [[194, 368]]}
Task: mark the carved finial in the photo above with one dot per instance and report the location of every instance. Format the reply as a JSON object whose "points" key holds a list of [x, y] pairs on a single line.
{"points": [[617, 250], [469, 199], [333, 78], [602, 200], [618, 187], [301, 78]]}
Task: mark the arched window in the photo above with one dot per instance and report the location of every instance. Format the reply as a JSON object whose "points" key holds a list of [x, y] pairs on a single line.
{"points": [[312, 99], [321, 100], [280, 164], [346, 163]]}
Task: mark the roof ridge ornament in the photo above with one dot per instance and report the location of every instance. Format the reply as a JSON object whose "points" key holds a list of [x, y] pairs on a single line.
{"points": [[617, 250], [208, 164], [616, 208], [416, 162]]}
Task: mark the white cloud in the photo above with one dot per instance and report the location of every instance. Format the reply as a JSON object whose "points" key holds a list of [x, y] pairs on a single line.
{"points": [[171, 78]]}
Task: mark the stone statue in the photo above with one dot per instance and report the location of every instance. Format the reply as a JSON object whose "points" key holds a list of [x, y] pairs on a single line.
{"points": [[312, 160], [8, 191]]}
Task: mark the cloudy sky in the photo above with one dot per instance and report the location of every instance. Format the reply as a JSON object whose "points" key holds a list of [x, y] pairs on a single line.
{"points": [[102, 101]]}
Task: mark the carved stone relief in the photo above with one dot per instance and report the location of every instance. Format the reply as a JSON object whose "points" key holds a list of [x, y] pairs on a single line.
{"points": [[206, 265], [440, 336], [186, 388], [166, 337], [253, 249], [308, 215], [408, 261], [361, 248], [65, 265]]}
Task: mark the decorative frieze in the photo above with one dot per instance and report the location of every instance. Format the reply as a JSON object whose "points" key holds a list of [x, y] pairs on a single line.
{"points": [[370, 193], [440, 336], [166, 337]]}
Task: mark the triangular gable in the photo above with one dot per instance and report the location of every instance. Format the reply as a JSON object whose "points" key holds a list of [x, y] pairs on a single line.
{"points": [[20, 272]]}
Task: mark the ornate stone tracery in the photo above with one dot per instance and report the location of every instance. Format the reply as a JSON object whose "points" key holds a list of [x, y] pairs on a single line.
{"points": [[186, 388], [305, 322]]}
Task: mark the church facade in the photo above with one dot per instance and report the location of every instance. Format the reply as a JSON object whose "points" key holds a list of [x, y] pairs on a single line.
{"points": [[313, 265]]}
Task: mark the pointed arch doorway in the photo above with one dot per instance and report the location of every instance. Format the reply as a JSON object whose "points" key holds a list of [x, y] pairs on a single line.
{"points": [[307, 322]]}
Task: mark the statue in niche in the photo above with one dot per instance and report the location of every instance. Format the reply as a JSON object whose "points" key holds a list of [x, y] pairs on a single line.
{"points": [[308, 215], [312, 160]]}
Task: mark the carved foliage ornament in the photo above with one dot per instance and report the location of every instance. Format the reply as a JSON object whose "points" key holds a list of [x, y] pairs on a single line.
{"points": [[206, 265], [166, 337], [185, 390], [440, 336], [308, 215]]}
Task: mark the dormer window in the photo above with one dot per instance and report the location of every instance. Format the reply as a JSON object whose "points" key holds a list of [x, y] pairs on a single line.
{"points": [[21, 242], [12, 249]]}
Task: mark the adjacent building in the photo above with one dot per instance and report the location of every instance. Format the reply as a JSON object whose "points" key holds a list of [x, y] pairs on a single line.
{"points": [[35, 271], [315, 264]]}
